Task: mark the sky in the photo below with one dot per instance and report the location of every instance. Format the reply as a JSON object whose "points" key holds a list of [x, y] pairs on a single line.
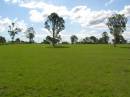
{"points": [[83, 18]]}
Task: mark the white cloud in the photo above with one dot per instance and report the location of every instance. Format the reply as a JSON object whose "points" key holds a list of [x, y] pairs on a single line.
{"points": [[22, 25], [126, 10], [86, 17], [45, 10], [4, 22], [80, 14], [83, 15], [109, 2], [126, 34], [36, 16]]}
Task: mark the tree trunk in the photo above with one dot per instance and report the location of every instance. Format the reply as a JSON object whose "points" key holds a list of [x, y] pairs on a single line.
{"points": [[114, 42], [29, 40], [53, 40], [12, 39]]}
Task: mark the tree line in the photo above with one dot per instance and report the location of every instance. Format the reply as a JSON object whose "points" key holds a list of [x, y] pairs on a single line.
{"points": [[55, 24], [104, 39]]}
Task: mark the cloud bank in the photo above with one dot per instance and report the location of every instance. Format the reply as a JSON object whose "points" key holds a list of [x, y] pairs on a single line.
{"points": [[83, 15]]}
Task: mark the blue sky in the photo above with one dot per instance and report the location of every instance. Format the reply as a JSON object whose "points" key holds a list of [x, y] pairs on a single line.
{"points": [[83, 17]]}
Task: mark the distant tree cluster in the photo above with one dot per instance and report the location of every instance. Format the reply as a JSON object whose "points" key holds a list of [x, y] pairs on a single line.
{"points": [[2, 40], [92, 39], [13, 30]]}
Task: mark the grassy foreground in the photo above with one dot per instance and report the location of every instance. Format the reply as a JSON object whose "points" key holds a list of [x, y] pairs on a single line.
{"points": [[73, 71]]}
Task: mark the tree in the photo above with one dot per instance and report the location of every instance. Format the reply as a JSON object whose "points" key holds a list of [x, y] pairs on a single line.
{"points": [[74, 39], [100, 40], [105, 37], [13, 30], [94, 39], [54, 24], [45, 42], [88, 40], [117, 25], [17, 40], [65, 42], [2, 40], [30, 34]]}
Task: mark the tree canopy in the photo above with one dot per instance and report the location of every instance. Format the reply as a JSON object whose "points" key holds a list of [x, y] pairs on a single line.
{"points": [[73, 39], [13, 30], [30, 33], [105, 37]]}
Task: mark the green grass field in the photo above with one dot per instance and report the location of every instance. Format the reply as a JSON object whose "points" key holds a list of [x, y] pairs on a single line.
{"points": [[72, 71]]}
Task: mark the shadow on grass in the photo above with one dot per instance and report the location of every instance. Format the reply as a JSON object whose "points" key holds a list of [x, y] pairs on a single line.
{"points": [[126, 70], [60, 46]]}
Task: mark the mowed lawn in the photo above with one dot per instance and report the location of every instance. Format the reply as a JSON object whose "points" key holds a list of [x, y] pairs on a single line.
{"points": [[71, 71]]}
